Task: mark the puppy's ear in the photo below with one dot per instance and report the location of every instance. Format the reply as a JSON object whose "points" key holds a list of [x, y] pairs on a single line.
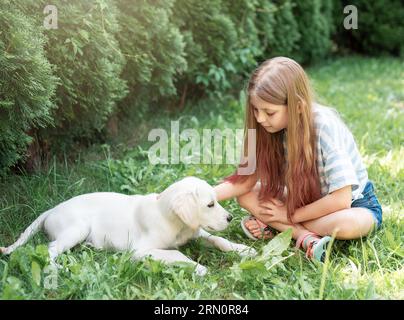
{"points": [[186, 207]]}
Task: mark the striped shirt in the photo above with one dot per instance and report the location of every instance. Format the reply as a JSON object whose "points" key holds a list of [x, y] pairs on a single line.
{"points": [[338, 160]]}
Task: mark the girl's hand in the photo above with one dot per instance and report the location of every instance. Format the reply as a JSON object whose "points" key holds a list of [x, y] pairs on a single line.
{"points": [[274, 211]]}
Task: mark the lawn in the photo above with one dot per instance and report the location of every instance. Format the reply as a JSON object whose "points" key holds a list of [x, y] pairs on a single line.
{"points": [[368, 92]]}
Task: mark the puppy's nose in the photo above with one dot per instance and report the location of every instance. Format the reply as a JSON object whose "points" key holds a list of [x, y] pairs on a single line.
{"points": [[229, 218]]}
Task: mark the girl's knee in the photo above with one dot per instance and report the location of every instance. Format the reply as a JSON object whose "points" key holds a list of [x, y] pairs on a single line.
{"points": [[342, 231], [356, 227], [355, 231], [345, 225]]}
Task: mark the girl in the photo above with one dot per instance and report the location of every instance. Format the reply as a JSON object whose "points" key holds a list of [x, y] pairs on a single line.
{"points": [[309, 174]]}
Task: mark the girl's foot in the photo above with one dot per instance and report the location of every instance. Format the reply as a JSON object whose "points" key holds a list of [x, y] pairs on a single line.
{"points": [[255, 229], [314, 245]]}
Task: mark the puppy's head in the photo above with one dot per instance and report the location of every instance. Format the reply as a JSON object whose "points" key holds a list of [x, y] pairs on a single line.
{"points": [[194, 201]]}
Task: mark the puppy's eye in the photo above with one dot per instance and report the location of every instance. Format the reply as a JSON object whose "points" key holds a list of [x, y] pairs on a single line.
{"points": [[210, 205]]}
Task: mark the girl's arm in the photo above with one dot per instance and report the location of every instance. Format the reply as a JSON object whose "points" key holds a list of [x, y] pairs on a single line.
{"points": [[228, 190], [338, 200]]}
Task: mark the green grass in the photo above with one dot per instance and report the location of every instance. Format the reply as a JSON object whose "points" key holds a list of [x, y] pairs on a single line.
{"points": [[369, 95]]}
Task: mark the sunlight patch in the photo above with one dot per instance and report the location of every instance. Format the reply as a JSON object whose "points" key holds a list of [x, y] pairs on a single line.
{"points": [[392, 161]]}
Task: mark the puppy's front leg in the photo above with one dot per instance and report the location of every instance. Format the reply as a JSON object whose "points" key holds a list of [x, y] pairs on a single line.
{"points": [[170, 256], [226, 245]]}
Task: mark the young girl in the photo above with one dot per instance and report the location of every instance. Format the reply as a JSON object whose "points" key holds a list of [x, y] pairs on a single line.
{"points": [[309, 174]]}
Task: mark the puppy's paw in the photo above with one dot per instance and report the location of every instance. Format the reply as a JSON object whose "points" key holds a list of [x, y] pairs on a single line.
{"points": [[201, 270], [245, 251], [3, 250]]}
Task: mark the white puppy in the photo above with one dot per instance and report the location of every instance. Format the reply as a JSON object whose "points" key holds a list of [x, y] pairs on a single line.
{"points": [[146, 225]]}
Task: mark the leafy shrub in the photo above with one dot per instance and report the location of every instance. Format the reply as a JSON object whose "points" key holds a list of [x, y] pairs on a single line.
{"points": [[88, 61], [286, 31], [250, 34], [380, 27], [210, 37], [142, 55], [27, 84], [266, 24], [154, 50], [313, 19]]}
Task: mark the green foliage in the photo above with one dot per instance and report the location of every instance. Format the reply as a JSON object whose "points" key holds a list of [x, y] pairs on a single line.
{"points": [[88, 61], [368, 268], [154, 50], [30, 264], [380, 27], [312, 17], [266, 24], [368, 94], [145, 56], [250, 34], [263, 266], [286, 31], [210, 38], [27, 83]]}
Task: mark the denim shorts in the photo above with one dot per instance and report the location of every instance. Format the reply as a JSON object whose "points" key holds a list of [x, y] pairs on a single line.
{"points": [[370, 202]]}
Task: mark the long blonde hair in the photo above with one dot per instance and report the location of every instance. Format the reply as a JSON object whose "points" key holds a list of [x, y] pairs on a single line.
{"points": [[282, 81]]}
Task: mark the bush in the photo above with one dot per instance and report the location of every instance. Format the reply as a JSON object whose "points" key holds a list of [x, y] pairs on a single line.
{"points": [[315, 26], [210, 37], [266, 24], [250, 35], [88, 61], [380, 27], [27, 84], [286, 33], [154, 50], [142, 55]]}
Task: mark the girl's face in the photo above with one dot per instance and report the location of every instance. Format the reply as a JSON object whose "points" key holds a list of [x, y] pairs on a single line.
{"points": [[273, 117]]}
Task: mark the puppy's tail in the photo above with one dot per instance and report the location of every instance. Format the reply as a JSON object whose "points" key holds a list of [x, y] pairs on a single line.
{"points": [[30, 231]]}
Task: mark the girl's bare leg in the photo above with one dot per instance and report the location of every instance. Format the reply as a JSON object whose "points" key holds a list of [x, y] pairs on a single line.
{"points": [[249, 201], [350, 223]]}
